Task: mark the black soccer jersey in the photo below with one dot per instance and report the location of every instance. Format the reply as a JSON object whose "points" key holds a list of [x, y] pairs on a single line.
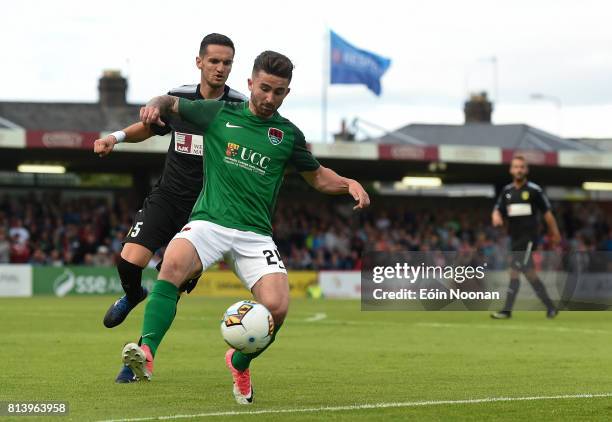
{"points": [[182, 175], [521, 206]]}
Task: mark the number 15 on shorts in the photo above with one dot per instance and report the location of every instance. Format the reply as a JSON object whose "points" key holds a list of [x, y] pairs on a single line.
{"points": [[274, 258]]}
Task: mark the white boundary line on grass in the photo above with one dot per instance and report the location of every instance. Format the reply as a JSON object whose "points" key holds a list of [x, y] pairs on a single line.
{"points": [[316, 317], [363, 407]]}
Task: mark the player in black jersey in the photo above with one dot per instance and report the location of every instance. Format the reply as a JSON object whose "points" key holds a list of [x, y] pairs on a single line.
{"points": [[521, 202], [166, 209]]}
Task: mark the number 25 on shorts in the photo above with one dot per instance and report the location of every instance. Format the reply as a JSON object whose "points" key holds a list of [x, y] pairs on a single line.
{"points": [[270, 255]]}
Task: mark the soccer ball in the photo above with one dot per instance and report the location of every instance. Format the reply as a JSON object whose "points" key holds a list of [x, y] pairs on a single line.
{"points": [[247, 326]]}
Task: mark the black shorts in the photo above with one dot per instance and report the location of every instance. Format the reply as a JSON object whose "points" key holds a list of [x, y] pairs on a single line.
{"points": [[160, 218], [522, 251]]}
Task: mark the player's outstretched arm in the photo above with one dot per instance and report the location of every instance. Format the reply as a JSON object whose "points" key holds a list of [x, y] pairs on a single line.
{"points": [[159, 106], [553, 228], [328, 181], [136, 132]]}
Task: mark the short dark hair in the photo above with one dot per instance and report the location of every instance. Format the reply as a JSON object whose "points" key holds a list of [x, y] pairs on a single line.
{"points": [[274, 63], [215, 39]]}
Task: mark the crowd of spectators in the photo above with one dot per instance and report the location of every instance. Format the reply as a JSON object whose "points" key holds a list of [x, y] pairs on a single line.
{"points": [[48, 230], [318, 233]]}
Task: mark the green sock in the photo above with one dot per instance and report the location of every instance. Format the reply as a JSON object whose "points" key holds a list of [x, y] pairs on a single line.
{"points": [[159, 313], [241, 361]]}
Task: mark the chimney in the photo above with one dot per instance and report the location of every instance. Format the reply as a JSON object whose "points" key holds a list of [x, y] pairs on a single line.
{"points": [[345, 133], [112, 88], [478, 109]]}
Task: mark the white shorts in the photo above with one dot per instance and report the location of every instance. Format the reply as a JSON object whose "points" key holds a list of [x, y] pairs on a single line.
{"points": [[250, 255]]}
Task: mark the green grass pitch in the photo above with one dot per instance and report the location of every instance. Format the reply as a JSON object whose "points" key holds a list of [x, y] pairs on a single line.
{"points": [[329, 354]]}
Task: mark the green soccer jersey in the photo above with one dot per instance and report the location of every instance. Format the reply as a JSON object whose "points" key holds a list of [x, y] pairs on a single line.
{"points": [[245, 160]]}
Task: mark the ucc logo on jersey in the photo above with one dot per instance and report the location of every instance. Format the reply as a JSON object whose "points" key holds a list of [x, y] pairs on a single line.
{"points": [[246, 158], [275, 135]]}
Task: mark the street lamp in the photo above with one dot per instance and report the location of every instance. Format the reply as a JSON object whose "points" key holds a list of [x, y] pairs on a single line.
{"points": [[495, 73], [493, 61], [544, 97]]}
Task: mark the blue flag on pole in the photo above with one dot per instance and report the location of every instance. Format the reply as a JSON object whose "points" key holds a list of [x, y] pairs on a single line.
{"points": [[352, 65]]}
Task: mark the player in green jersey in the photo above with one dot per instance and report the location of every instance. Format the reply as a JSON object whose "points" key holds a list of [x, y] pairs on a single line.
{"points": [[248, 147]]}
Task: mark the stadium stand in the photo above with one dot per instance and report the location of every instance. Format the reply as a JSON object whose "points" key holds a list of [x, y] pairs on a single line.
{"points": [[46, 230], [81, 217]]}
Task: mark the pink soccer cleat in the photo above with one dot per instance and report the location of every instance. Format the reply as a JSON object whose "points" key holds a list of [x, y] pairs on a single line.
{"points": [[243, 390], [139, 359]]}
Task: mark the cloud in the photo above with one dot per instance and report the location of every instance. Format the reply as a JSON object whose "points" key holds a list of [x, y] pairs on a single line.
{"points": [[561, 48]]}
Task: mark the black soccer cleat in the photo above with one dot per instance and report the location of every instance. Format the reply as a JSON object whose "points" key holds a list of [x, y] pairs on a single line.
{"points": [[119, 310], [552, 313], [502, 315], [126, 375]]}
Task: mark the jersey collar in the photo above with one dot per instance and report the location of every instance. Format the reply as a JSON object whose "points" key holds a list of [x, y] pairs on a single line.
{"points": [[524, 185], [248, 113], [200, 97]]}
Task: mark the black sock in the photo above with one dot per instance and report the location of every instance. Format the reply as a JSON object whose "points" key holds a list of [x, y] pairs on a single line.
{"points": [[513, 289], [131, 280], [540, 291]]}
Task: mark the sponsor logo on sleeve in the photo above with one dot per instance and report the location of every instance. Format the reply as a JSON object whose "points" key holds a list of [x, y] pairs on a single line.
{"points": [[188, 143]]}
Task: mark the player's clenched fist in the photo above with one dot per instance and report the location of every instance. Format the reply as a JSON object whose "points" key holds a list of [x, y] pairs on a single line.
{"points": [[104, 146], [151, 115]]}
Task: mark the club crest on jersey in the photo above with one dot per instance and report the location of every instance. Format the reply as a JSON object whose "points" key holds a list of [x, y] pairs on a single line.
{"points": [[525, 195], [232, 149], [275, 135]]}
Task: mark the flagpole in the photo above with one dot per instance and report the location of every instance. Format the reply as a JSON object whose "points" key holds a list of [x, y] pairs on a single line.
{"points": [[325, 78]]}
